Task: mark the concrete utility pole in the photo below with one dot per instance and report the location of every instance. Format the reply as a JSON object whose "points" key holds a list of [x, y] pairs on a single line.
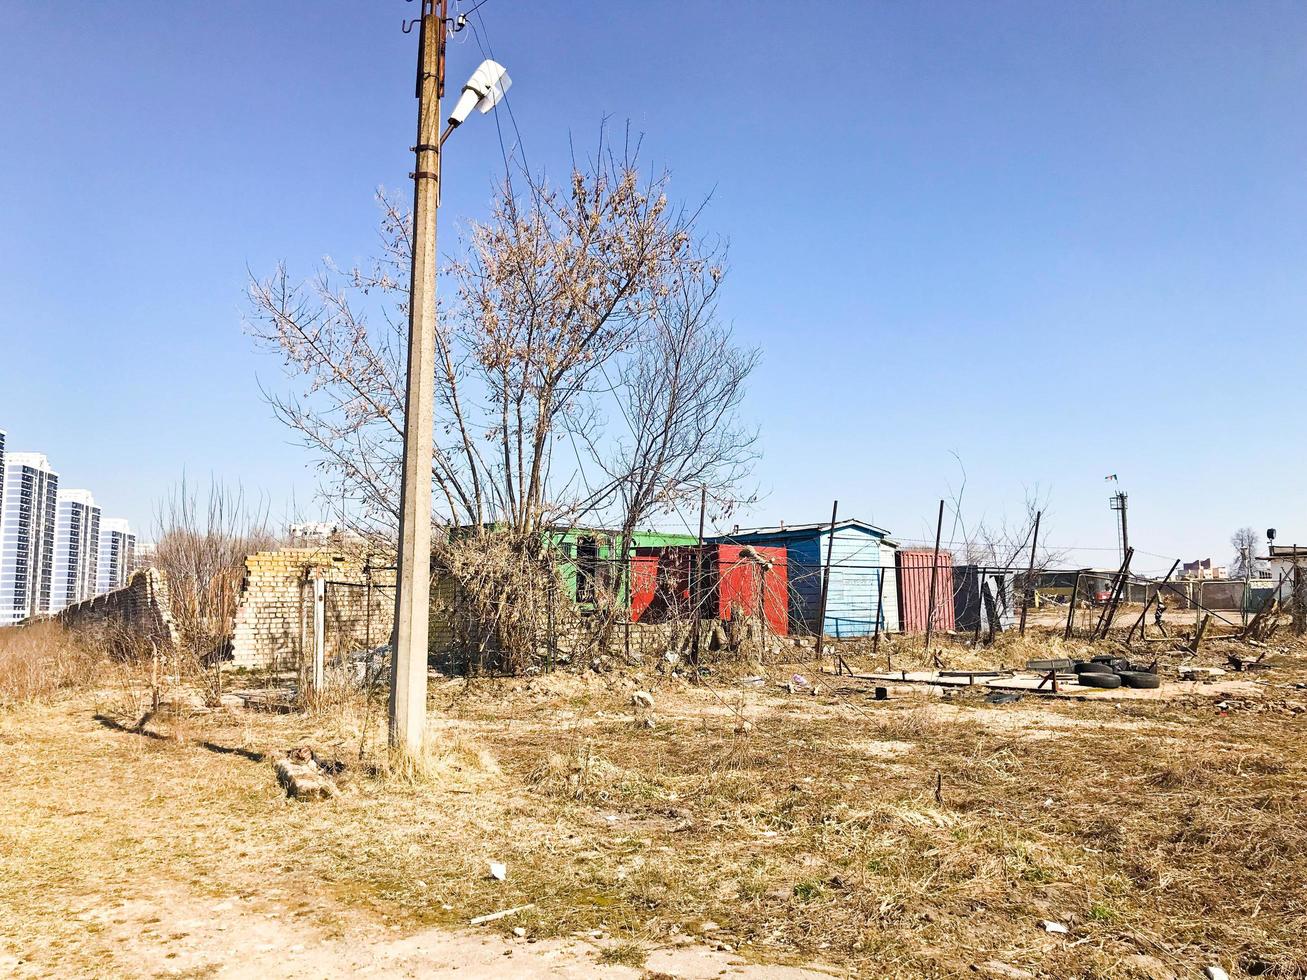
{"points": [[408, 687]]}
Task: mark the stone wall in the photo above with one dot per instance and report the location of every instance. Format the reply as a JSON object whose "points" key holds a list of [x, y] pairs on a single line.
{"points": [[274, 617], [138, 612]]}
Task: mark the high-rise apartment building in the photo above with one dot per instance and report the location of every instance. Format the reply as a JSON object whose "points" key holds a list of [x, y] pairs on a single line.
{"points": [[27, 536], [76, 549], [117, 554]]}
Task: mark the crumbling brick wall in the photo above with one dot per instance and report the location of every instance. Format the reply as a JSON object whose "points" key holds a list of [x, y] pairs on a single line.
{"points": [[274, 616], [139, 611]]}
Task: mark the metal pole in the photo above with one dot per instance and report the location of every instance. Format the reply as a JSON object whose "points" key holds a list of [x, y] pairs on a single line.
{"points": [[696, 582], [1139, 623], [880, 609], [1125, 534], [1071, 612], [1118, 593], [408, 689], [1116, 584], [825, 583], [1030, 575], [934, 576]]}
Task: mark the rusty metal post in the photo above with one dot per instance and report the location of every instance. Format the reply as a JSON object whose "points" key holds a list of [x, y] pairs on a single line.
{"points": [[934, 577], [1071, 611], [1139, 623], [825, 584], [1030, 575], [1118, 592], [880, 610]]}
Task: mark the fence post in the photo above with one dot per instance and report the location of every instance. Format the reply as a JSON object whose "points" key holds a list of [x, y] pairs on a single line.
{"points": [[1071, 610], [1028, 588], [319, 632], [825, 586], [934, 577]]}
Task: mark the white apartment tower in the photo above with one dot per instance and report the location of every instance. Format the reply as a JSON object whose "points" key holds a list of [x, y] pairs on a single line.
{"points": [[27, 522], [76, 549], [117, 554]]}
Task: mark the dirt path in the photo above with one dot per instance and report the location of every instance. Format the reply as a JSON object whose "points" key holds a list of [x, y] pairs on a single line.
{"points": [[91, 885], [174, 934]]}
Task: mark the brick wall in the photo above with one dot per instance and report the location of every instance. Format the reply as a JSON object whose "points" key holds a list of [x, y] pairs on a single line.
{"points": [[139, 610], [274, 617]]}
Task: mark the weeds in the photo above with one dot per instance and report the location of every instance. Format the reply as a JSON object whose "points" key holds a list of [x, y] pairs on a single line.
{"points": [[40, 661]]}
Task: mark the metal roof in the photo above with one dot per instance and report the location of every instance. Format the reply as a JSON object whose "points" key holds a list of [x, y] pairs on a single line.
{"points": [[800, 529]]}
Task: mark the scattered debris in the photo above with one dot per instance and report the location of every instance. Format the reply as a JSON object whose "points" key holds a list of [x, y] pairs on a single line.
{"points": [[498, 870], [1215, 973], [642, 699], [753, 681], [501, 914], [300, 775], [708, 925], [1003, 697], [519, 932], [1056, 928], [743, 727], [1189, 673]]}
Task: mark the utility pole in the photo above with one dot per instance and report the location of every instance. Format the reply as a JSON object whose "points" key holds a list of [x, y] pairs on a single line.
{"points": [[408, 688]]}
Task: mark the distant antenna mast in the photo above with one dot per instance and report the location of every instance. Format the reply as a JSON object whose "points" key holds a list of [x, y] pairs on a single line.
{"points": [[1118, 503]]}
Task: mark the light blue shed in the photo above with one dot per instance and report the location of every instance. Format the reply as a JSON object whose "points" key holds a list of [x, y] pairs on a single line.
{"points": [[860, 555]]}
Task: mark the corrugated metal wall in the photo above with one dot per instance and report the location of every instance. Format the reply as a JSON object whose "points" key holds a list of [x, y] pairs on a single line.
{"points": [[856, 559], [914, 568], [854, 581]]}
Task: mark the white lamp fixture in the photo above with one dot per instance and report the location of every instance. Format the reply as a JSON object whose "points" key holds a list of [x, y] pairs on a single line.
{"points": [[483, 90]]}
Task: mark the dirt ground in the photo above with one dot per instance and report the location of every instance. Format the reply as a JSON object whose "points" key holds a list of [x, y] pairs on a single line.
{"points": [[734, 829]]}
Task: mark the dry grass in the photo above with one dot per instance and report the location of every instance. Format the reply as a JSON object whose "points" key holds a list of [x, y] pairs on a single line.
{"points": [[41, 661], [1161, 830]]}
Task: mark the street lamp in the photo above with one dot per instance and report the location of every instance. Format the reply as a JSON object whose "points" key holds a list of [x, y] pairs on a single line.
{"points": [[408, 679], [483, 91]]}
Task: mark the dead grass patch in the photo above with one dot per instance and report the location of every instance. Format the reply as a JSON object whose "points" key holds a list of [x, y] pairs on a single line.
{"points": [[796, 840], [43, 660]]}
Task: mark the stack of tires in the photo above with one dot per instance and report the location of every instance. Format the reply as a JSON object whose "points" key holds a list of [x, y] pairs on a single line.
{"points": [[1111, 672]]}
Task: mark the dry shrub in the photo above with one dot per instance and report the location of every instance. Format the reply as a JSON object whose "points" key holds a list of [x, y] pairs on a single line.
{"points": [[582, 775], [201, 547], [444, 762], [40, 660], [506, 584]]}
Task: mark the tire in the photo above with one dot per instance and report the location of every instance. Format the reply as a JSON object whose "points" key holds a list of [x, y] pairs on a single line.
{"points": [[1095, 679], [1116, 663], [1140, 679], [1059, 664], [1093, 668]]}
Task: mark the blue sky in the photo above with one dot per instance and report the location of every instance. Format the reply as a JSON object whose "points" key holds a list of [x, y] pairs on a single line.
{"points": [[1060, 240]]}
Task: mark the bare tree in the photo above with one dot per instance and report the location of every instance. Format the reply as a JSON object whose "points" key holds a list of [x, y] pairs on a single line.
{"points": [[201, 544], [679, 397], [1245, 542], [570, 307], [555, 292]]}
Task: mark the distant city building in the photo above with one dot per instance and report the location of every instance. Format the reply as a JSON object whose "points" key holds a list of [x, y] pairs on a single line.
{"points": [[76, 549], [2, 476], [1202, 569], [117, 554], [311, 534], [27, 527]]}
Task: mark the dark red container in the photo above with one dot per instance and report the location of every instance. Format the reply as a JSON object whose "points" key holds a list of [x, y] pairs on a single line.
{"points": [[914, 590], [738, 580]]}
